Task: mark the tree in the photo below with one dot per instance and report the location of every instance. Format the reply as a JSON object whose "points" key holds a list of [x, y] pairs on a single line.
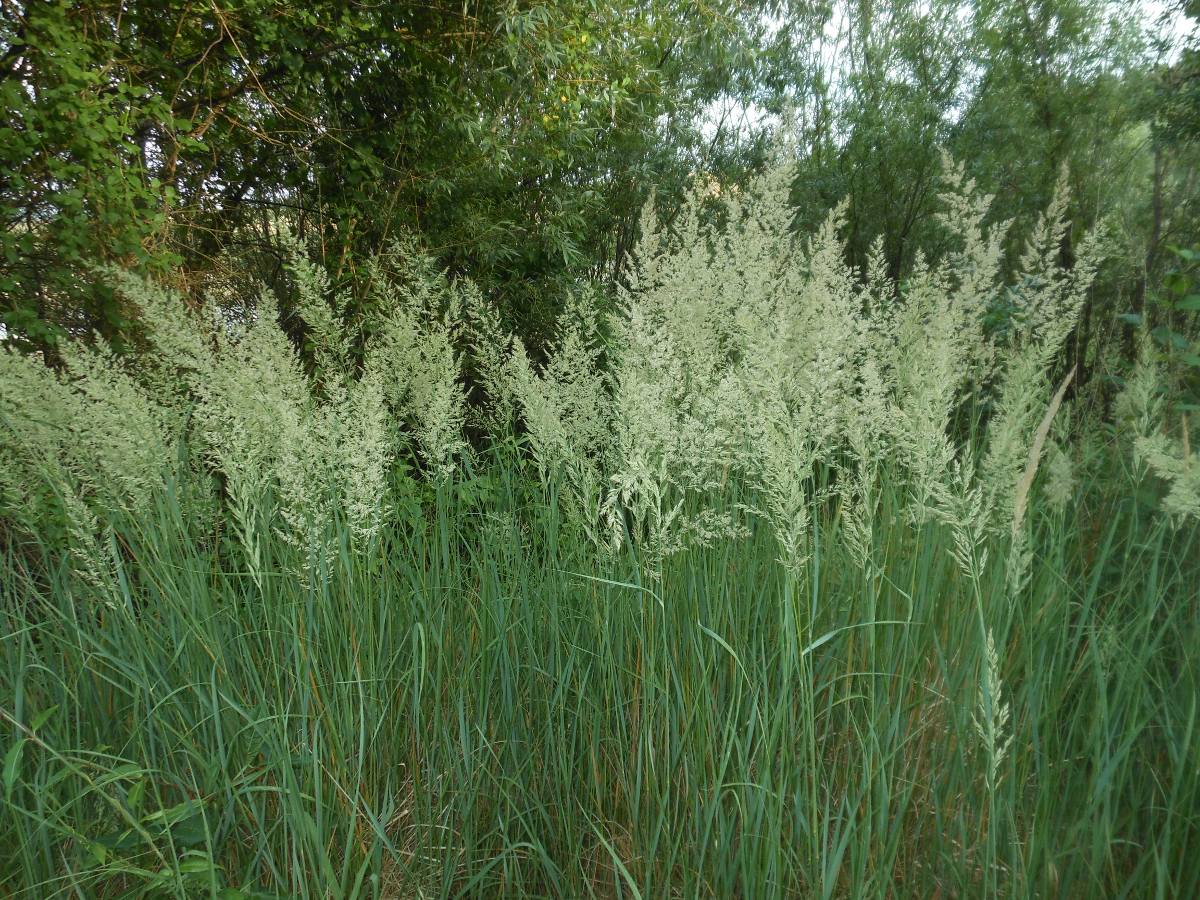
{"points": [[519, 139]]}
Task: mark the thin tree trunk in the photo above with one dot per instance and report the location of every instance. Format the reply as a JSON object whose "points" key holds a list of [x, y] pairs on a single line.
{"points": [[1152, 244]]}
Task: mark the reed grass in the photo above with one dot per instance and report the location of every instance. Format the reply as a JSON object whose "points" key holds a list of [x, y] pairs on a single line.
{"points": [[482, 703]]}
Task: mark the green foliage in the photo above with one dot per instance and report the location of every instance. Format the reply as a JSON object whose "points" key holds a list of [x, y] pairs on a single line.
{"points": [[1160, 401], [74, 189], [482, 705], [1173, 322], [1019, 93], [1169, 331], [519, 138], [821, 655], [717, 545], [1178, 84]]}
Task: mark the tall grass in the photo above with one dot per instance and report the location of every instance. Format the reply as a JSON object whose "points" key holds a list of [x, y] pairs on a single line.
{"points": [[481, 703], [778, 580]]}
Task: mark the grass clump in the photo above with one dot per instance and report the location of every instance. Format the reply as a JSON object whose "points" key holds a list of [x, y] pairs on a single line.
{"points": [[759, 587]]}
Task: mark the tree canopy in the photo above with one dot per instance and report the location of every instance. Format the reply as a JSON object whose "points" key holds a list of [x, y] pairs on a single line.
{"points": [[520, 140]]}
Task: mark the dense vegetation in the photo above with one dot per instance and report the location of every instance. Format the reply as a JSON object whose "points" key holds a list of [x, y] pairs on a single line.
{"points": [[636, 450]]}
